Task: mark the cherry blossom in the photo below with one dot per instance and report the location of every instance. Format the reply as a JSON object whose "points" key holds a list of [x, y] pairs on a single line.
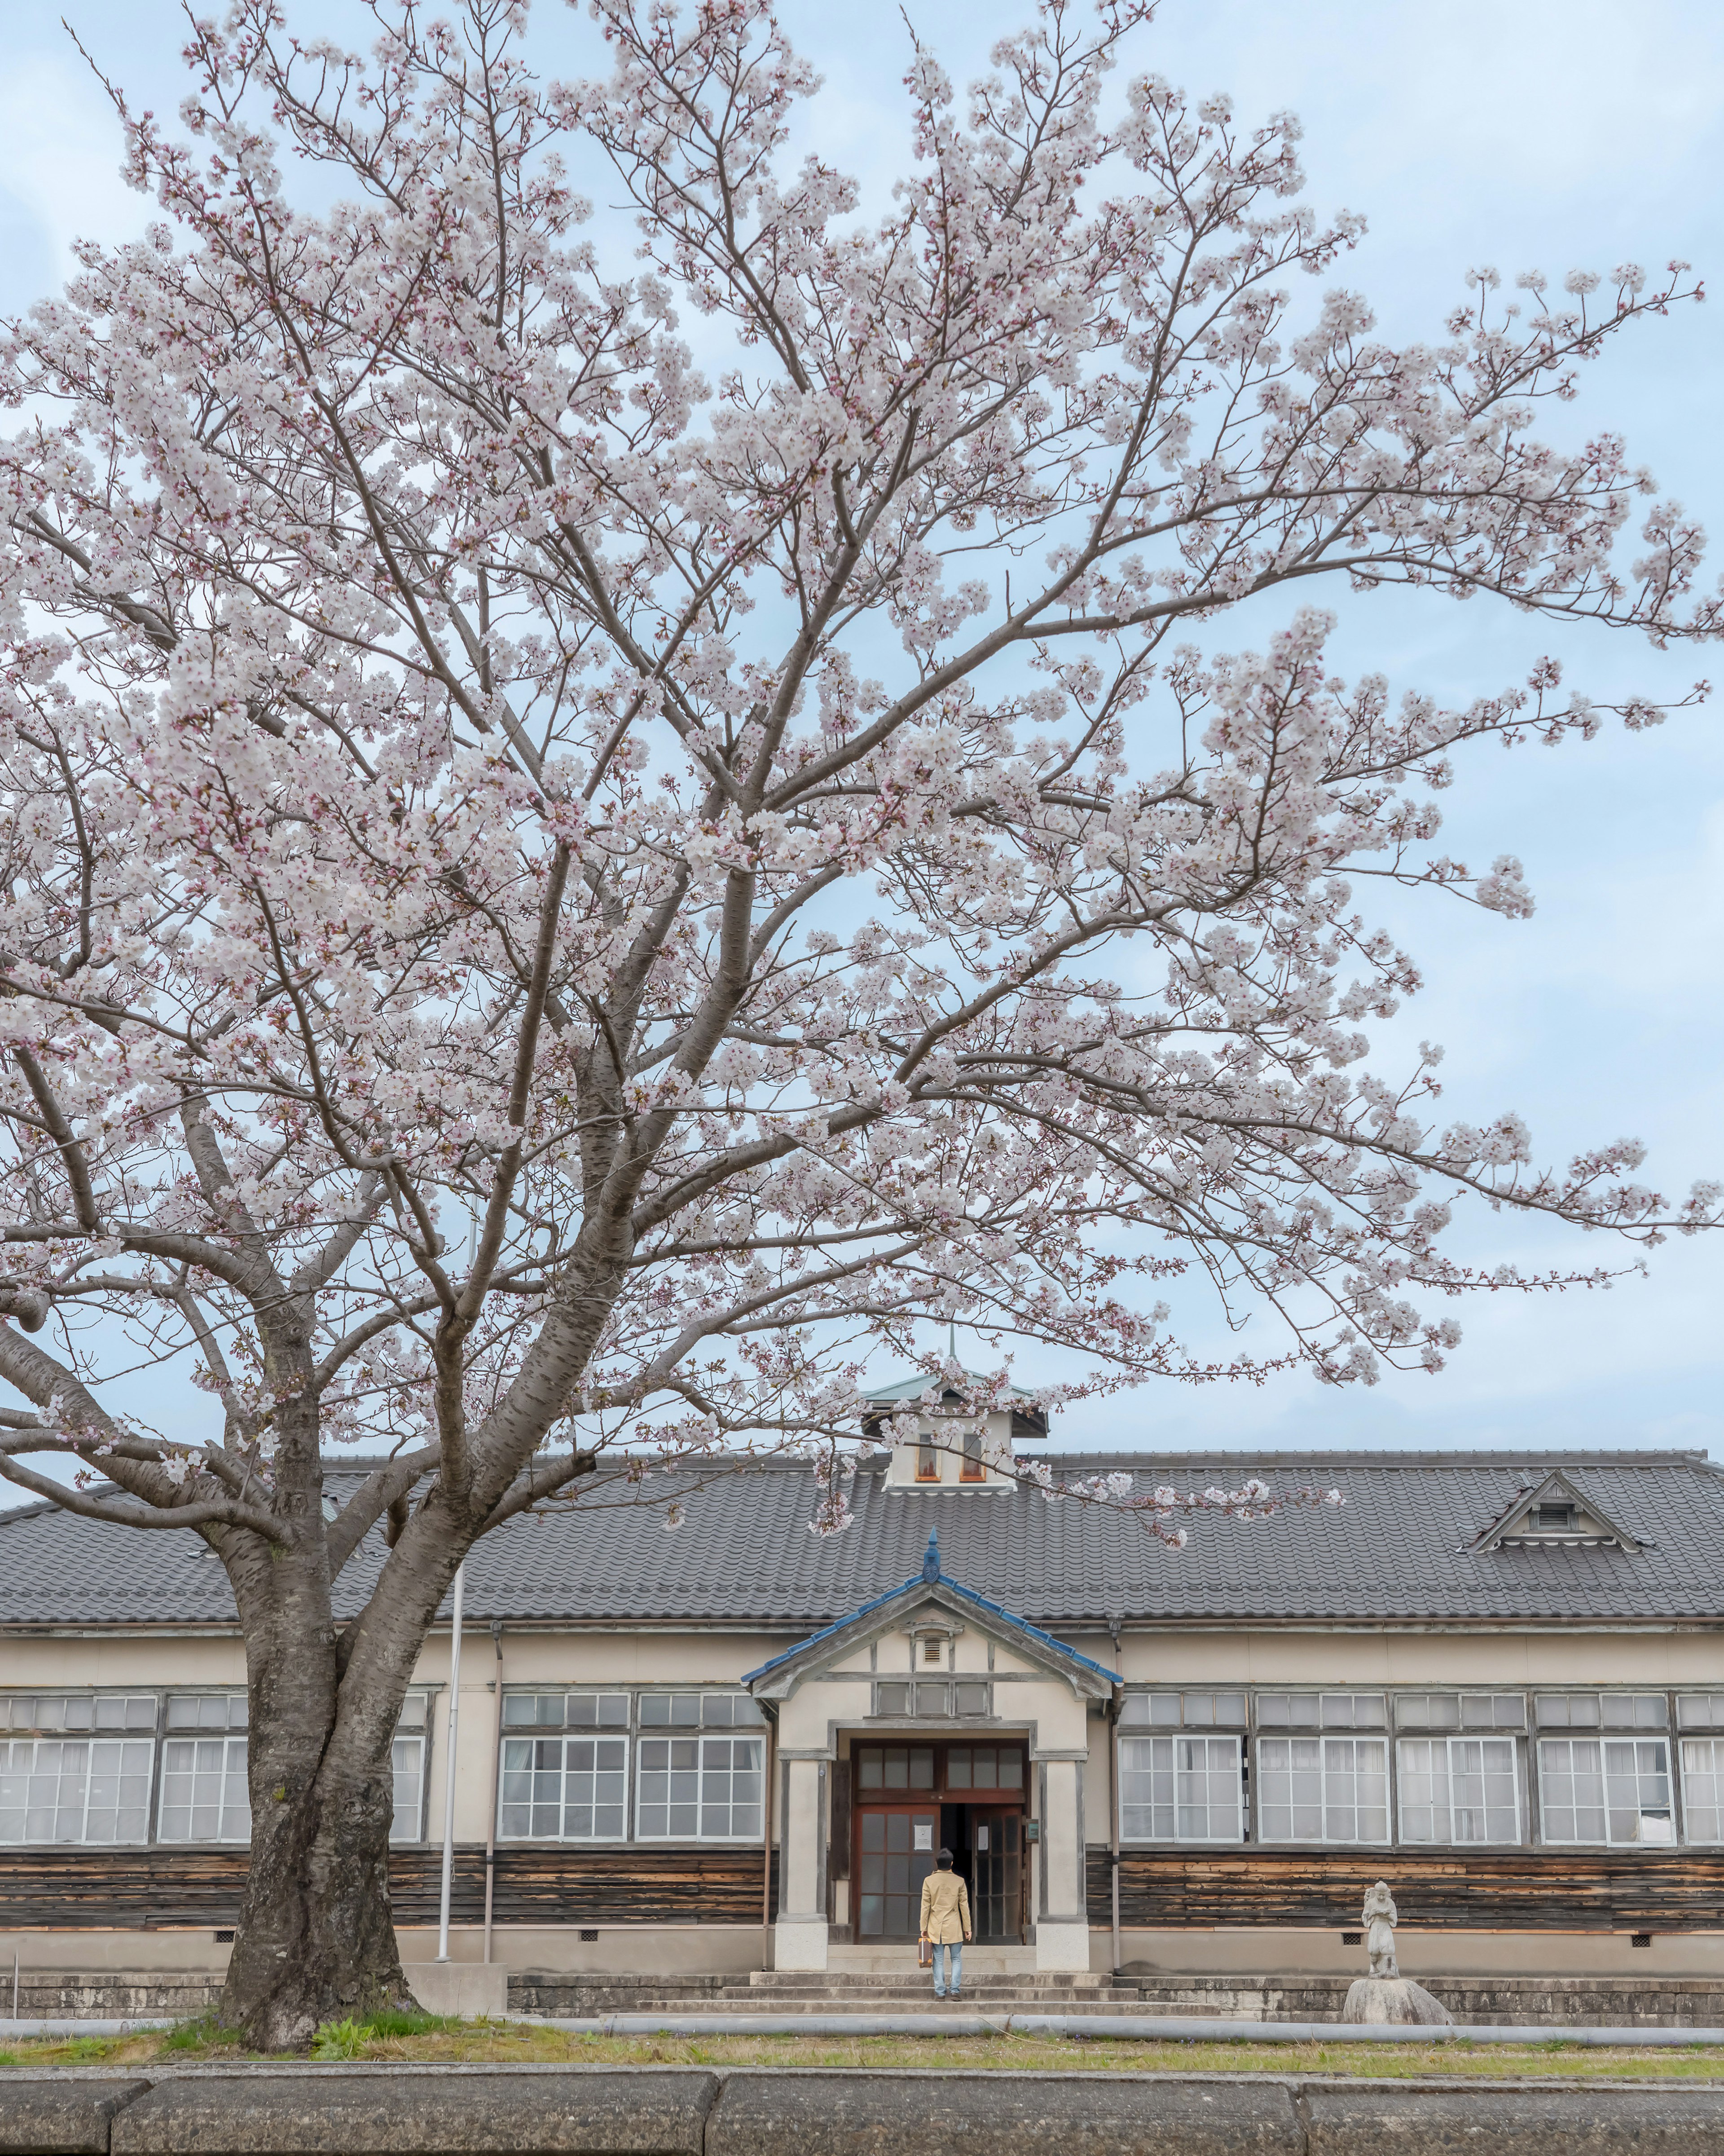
{"points": [[591, 838]]}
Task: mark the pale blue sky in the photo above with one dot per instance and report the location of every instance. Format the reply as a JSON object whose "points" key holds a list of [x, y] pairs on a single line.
{"points": [[1555, 133]]}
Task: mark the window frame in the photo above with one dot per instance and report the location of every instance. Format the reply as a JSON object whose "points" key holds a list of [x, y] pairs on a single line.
{"points": [[1175, 1736], [699, 1735], [88, 1738], [1681, 1739], [1322, 1738], [1524, 1807], [526, 1734], [225, 1738], [1603, 1739], [972, 1467]]}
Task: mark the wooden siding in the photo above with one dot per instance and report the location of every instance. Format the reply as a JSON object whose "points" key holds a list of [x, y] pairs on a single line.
{"points": [[182, 1890], [1447, 1890]]}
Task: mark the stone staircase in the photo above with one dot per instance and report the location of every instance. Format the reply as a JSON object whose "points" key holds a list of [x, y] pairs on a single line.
{"points": [[789, 1991], [1523, 2001]]}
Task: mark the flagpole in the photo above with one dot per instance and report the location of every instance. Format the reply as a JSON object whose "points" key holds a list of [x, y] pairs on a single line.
{"points": [[449, 1772]]}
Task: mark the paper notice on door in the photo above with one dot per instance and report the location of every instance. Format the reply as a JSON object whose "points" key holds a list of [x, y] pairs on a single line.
{"points": [[982, 1837], [924, 1834]]}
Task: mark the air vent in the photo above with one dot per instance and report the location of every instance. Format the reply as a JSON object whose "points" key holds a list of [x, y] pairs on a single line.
{"points": [[1352, 1938], [1640, 1939], [589, 1938], [224, 1938]]}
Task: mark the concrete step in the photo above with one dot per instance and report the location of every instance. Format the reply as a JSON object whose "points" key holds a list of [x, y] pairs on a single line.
{"points": [[866, 1982]]}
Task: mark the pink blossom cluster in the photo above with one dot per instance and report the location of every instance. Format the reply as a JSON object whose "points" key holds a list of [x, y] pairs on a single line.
{"points": [[568, 879]]}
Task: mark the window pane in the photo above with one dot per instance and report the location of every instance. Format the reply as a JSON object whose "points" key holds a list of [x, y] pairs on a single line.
{"points": [[407, 1756], [203, 1792], [1425, 1789], [1207, 1789], [1147, 1788], [972, 1698], [1703, 1787], [1701, 1709], [1483, 1806]]}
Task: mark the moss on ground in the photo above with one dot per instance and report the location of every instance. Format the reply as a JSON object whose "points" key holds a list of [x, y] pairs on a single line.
{"points": [[400, 2040]]}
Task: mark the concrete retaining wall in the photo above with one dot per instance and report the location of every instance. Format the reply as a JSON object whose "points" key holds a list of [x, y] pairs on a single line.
{"points": [[1596, 2002], [522, 2111]]}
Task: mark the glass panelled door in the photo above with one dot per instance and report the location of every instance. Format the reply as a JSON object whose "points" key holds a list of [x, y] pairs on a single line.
{"points": [[897, 1851], [997, 1868]]}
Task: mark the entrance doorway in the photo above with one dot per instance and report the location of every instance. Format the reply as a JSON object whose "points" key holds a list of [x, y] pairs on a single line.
{"points": [[986, 1846], [911, 1800]]}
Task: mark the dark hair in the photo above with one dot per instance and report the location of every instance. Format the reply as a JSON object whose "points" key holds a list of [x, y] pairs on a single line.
{"points": [[944, 1858]]}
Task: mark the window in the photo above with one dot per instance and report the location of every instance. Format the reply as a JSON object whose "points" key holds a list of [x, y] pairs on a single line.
{"points": [[565, 1788], [1703, 1788], [693, 1710], [1462, 1710], [974, 1469], [932, 1701], [1701, 1709], [1609, 1709], [1458, 1789], [928, 1461], [702, 1788], [406, 1759], [1181, 1789], [203, 1790], [895, 1767], [1616, 1789], [1551, 1519], [51, 1711], [1188, 1710], [1311, 1710], [572, 1709], [1322, 1789], [984, 1766], [75, 1789]]}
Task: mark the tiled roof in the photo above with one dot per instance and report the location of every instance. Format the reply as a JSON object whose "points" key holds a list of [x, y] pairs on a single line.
{"points": [[1399, 1550]]}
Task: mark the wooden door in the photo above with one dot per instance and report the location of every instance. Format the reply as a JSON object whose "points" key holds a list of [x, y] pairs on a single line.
{"points": [[997, 1868], [896, 1848]]}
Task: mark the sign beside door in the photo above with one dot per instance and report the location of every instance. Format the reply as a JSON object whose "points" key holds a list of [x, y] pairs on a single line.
{"points": [[925, 1834]]}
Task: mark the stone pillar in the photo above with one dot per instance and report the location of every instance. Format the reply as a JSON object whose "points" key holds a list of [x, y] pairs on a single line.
{"points": [[800, 1938], [1062, 1925]]}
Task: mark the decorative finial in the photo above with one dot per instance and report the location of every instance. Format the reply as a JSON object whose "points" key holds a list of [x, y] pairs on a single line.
{"points": [[930, 1561], [951, 1337]]}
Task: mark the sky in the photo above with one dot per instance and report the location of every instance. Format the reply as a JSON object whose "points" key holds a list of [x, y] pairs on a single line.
{"points": [[1546, 133]]}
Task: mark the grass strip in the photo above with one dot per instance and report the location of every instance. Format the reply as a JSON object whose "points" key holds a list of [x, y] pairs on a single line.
{"points": [[427, 2040]]}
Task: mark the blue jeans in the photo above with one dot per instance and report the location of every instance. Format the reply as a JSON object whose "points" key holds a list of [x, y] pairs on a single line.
{"points": [[956, 1956]]}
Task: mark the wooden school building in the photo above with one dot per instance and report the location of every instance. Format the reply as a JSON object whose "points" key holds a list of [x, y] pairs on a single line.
{"points": [[1494, 1679]]}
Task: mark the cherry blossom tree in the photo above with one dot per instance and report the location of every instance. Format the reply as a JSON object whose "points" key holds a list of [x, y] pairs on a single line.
{"points": [[588, 840]]}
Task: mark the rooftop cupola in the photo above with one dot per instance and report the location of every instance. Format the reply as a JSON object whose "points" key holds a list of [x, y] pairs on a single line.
{"points": [[954, 1444]]}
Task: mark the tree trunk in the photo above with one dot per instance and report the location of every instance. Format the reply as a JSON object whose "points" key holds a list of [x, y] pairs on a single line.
{"points": [[316, 1940]]}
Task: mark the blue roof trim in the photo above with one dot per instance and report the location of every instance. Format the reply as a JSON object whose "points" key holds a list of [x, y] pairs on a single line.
{"points": [[931, 1575]]}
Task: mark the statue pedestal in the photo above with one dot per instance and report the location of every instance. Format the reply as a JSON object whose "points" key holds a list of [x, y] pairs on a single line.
{"points": [[1393, 1998]]}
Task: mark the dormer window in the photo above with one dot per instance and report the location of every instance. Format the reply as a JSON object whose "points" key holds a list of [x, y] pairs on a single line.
{"points": [[973, 1468], [1554, 1511]]}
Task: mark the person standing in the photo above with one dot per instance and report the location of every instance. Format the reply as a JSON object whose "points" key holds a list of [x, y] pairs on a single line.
{"points": [[946, 1923]]}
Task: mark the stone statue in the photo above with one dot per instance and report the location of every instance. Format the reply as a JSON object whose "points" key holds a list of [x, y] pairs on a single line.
{"points": [[1385, 1994], [1381, 1918]]}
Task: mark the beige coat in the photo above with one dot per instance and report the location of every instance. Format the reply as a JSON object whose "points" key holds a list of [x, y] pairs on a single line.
{"points": [[946, 1909]]}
